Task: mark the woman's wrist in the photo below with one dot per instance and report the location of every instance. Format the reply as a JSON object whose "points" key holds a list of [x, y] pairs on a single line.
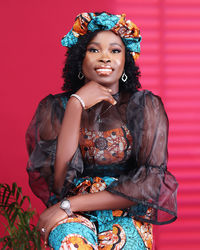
{"points": [[74, 106], [77, 97]]}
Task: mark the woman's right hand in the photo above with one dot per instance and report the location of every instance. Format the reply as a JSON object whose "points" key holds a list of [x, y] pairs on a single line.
{"points": [[92, 93], [49, 218]]}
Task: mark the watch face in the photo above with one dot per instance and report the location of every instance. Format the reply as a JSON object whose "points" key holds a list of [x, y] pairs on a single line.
{"points": [[65, 204]]}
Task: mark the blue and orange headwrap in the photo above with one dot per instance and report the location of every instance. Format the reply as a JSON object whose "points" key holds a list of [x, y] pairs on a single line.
{"points": [[90, 22]]}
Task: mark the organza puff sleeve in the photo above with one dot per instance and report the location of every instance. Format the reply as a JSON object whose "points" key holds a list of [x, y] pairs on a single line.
{"points": [[148, 183], [41, 141]]}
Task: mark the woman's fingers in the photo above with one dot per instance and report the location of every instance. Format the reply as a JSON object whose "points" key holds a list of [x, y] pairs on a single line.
{"points": [[48, 219], [43, 227], [46, 235], [111, 100], [106, 96], [44, 231], [93, 93]]}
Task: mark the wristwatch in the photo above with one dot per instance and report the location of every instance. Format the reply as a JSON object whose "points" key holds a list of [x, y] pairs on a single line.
{"points": [[65, 205]]}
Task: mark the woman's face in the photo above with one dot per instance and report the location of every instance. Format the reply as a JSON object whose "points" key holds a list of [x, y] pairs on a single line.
{"points": [[104, 60]]}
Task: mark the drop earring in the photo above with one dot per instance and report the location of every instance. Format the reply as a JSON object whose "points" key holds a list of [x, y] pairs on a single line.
{"points": [[80, 75], [124, 77]]}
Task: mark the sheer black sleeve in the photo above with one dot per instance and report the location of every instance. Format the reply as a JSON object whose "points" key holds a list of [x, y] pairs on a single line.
{"points": [[41, 140], [148, 184]]}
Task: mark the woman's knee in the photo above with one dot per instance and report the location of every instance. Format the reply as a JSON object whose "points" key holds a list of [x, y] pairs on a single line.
{"points": [[74, 232]]}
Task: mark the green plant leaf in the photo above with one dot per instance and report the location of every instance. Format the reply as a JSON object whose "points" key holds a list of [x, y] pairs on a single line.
{"points": [[5, 188], [21, 234]]}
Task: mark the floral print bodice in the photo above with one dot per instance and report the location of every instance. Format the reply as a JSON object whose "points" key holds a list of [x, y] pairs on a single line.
{"points": [[105, 147]]}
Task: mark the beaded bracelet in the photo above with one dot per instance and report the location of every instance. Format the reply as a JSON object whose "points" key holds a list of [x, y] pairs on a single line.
{"points": [[80, 100]]}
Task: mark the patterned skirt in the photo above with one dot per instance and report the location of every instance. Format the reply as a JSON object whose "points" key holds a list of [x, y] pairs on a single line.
{"points": [[102, 229]]}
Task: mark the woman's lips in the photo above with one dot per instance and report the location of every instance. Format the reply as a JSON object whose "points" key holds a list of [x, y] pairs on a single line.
{"points": [[104, 71]]}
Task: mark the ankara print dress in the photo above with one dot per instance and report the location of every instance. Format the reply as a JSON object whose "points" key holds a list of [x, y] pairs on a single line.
{"points": [[123, 149], [108, 152]]}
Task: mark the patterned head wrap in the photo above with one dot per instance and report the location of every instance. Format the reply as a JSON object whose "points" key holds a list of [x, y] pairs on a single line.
{"points": [[90, 22]]}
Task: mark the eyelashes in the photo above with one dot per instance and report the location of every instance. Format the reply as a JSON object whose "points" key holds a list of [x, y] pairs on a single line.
{"points": [[94, 50], [116, 51]]}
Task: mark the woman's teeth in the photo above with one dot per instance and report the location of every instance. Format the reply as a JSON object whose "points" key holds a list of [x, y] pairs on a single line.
{"points": [[104, 71]]}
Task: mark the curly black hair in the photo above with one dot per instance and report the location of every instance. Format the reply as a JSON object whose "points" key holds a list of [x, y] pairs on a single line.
{"points": [[73, 66]]}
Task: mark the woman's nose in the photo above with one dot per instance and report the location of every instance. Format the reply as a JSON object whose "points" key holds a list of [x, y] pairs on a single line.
{"points": [[104, 58]]}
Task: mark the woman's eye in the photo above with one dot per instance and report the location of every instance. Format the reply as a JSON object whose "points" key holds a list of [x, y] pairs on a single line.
{"points": [[93, 50], [116, 51]]}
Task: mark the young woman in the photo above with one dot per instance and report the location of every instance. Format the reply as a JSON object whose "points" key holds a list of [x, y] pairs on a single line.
{"points": [[98, 152]]}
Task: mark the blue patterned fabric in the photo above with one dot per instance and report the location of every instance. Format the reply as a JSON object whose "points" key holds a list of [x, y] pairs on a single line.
{"points": [[98, 228], [102, 22], [127, 237], [89, 22], [61, 231], [64, 101]]}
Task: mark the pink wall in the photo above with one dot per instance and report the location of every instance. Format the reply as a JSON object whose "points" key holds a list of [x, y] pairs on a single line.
{"points": [[170, 67], [31, 67]]}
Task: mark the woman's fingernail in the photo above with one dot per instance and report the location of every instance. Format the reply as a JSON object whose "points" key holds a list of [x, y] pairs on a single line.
{"points": [[115, 102]]}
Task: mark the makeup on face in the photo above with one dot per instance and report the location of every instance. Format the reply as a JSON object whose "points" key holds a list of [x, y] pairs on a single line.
{"points": [[104, 60]]}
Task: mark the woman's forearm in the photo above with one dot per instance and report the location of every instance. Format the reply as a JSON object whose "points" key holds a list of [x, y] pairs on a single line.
{"points": [[103, 200], [67, 140], [91, 93]]}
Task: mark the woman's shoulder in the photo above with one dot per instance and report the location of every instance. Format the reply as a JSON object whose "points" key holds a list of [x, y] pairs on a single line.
{"points": [[59, 99], [143, 104], [145, 97]]}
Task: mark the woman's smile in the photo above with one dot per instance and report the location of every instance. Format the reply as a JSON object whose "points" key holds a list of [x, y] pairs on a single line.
{"points": [[104, 70]]}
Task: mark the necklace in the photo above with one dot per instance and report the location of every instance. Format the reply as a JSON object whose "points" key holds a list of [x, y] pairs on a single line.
{"points": [[116, 97], [99, 116]]}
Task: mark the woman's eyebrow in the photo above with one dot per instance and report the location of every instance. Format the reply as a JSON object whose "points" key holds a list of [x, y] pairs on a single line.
{"points": [[116, 44], [96, 43]]}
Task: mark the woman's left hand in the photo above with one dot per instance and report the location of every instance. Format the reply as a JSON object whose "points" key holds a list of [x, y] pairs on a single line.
{"points": [[49, 218]]}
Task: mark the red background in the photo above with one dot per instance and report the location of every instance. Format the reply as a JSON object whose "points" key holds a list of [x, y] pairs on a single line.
{"points": [[31, 67]]}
